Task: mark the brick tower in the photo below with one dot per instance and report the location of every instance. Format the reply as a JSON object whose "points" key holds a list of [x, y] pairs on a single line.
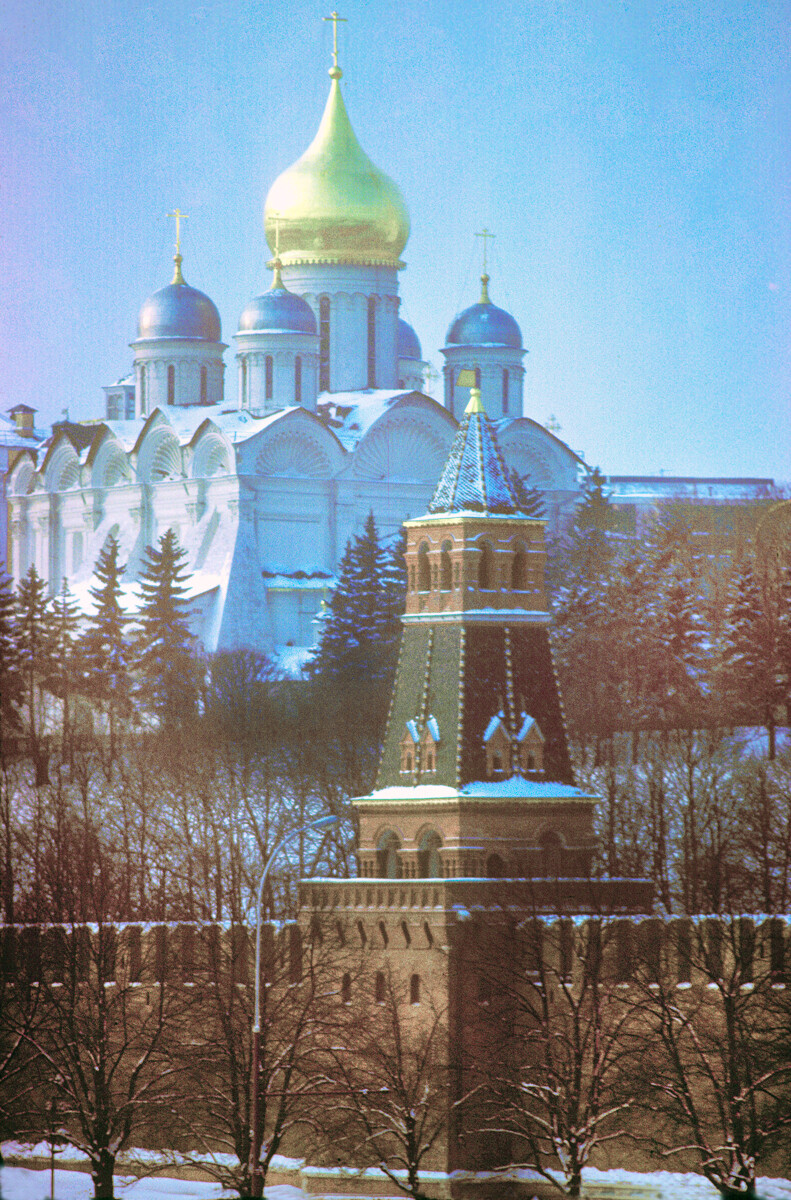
{"points": [[475, 777]]}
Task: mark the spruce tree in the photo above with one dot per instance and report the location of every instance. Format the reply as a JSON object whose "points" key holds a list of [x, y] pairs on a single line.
{"points": [[530, 499], [12, 685], [164, 644], [105, 652], [61, 677], [751, 656], [35, 640], [358, 622]]}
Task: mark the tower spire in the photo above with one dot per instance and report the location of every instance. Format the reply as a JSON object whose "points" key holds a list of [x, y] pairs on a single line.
{"points": [[335, 71]]}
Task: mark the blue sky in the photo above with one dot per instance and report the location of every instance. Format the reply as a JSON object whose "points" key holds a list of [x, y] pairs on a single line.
{"points": [[633, 159]]}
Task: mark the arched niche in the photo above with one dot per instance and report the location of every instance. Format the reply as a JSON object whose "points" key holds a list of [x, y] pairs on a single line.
{"points": [[387, 860]]}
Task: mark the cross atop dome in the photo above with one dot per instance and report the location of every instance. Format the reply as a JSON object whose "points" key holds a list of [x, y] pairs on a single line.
{"points": [[335, 71]]}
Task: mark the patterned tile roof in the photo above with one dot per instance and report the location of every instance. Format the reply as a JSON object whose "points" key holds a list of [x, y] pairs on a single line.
{"points": [[474, 478]]}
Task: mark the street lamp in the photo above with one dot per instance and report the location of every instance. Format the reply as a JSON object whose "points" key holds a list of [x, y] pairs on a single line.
{"points": [[256, 1182]]}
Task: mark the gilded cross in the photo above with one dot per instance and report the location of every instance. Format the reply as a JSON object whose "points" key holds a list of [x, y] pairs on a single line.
{"points": [[485, 235], [180, 216], [335, 19]]}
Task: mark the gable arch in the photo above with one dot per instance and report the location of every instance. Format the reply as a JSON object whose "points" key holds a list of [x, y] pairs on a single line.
{"points": [[409, 442], [212, 454], [297, 445], [159, 455], [530, 449], [22, 478], [110, 465], [62, 468]]}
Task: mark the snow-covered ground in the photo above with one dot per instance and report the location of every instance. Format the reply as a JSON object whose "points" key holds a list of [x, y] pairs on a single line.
{"points": [[22, 1183]]}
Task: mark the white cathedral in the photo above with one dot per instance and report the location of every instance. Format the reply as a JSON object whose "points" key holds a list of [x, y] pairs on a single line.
{"points": [[330, 423]]}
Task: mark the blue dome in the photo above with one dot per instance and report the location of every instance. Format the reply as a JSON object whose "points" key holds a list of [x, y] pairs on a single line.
{"points": [[485, 325], [278, 310], [179, 311], [408, 343]]}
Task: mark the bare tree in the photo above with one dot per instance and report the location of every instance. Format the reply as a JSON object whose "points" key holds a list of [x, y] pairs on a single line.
{"points": [[300, 1010], [715, 1051], [103, 1044], [556, 1043], [388, 1082]]}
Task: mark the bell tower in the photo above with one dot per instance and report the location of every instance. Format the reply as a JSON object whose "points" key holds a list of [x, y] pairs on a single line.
{"points": [[475, 777]]}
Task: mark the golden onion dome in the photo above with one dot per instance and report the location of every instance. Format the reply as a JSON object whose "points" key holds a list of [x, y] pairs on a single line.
{"points": [[333, 205]]}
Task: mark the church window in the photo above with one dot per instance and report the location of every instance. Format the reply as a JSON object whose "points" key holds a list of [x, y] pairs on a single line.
{"points": [[414, 990], [486, 568], [478, 377], [497, 761], [428, 859], [449, 389], [268, 376], [387, 862], [531, 762], [143, 390], [298, 380], [114, 407], [445, 568], [430, 761], [244, 398], [423, 570], [346, 989], [519, 569], [505, 391], [204, 386], [171, 384], [372, 341], [408, 761], [379, 988], [324, 343], [129, 407]]}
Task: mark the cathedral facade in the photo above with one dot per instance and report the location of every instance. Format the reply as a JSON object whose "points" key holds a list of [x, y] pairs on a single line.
{"points": [[331, 420]]}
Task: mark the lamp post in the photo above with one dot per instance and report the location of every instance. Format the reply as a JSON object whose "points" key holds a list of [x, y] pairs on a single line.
{"points": [[256, 1181]]}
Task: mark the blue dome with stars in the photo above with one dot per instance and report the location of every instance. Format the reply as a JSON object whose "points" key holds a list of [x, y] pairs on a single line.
{"points": [[484, 324]]}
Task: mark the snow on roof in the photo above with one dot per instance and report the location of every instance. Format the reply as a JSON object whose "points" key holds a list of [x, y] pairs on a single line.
{"points": [[432, 725], [412, 730], [351, 414], [494, 724], [474, 476], [528, 723], [238, 425], [686, 487], [517, 787]]}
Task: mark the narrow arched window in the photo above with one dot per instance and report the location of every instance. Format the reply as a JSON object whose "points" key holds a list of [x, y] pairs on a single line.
{"points": [[428, 860], [379, 987], [423, 569], [505, 391], [298, 380], [449, 389], [324, 343], [414, 990], [204, 386], [478, 377], [171, 384], [495, 867], [519, 569], [387, 860], [445, 568], [486, 568], [346, 989], [244, 399], [143, 391], [268, 376], [372, 341]]}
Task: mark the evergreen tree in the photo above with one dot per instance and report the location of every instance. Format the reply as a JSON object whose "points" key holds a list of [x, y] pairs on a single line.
{"points": [[64, 626], [12, 686], [358, 628], [164, 644], [530, 499], [105, 651], [35, 642]]}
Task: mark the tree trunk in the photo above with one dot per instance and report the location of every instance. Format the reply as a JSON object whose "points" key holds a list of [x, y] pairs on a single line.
{"points": [[102, 1170]]}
